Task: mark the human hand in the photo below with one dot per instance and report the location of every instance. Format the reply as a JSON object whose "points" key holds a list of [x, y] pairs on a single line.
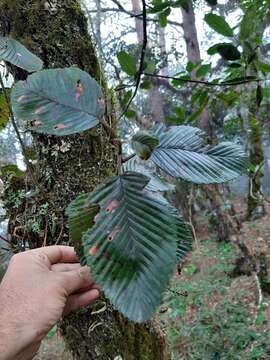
{"points": [[39, 287]]}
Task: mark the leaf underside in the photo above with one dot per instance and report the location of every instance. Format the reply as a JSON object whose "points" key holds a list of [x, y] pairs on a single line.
{"points": [[17, 54], [182, 154], [58, 101], [132, 248]]}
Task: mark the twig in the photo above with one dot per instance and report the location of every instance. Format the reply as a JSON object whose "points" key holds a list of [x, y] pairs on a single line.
{"points": [[208, 83], [260, 296], [140, 71], [29, 165], [190, 215], [128, 158]]}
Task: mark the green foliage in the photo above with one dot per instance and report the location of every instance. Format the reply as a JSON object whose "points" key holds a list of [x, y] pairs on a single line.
{"points": [[17, 54], [132, 247], [226, 50], [181, 153], [127, 63], [58, 101], [209, 318], [4, 110], [219, 24], [143, 144], [203, 70]]}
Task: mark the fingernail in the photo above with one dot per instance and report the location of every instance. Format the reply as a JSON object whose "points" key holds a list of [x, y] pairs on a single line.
{"points": [[95, 293]]}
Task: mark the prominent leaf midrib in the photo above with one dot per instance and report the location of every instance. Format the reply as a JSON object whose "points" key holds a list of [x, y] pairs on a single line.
{"points": [[58, 103]]}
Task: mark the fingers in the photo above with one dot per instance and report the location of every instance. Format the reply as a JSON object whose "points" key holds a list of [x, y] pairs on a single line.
{"points": [[56, 254], [65, 267], [75, 280], [77, 301]]}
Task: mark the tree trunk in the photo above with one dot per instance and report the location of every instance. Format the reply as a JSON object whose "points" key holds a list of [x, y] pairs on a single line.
{"points": [[225, 224], [67, 166]]}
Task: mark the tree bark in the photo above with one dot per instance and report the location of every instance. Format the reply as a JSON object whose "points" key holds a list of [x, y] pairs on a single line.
{"points": [[57, 32]]}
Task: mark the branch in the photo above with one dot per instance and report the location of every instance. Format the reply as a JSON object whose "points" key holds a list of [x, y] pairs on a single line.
{"points": [[207, 83], [140, 71], [29, 165]]}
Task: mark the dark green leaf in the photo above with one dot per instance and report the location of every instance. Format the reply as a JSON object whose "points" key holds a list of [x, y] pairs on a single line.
{"points": [[156, 183], [264, 67], [212, 2], [143, 144], [190, 66], [180, 112], [127, 63], [219, 24], [234, 65], [228, 52], [17, 54], [182, 154], [131, 249], [163, 17], [145, 85], [59, 101], [11, 170], [130, 114], [203, 70]]}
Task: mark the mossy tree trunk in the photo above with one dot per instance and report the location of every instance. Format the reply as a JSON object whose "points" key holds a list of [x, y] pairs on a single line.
{"points": [[57, 32]]}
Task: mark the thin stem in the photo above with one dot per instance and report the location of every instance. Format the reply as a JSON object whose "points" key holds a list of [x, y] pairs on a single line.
{"points": [[128, 158], [207, 83], [28, 164]]}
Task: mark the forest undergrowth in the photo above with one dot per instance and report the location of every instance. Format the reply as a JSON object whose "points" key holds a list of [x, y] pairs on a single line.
{"points": [[209, 312]]}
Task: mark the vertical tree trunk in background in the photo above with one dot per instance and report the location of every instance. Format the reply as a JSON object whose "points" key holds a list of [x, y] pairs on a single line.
{"points": [[224, 223], [57, 32]]}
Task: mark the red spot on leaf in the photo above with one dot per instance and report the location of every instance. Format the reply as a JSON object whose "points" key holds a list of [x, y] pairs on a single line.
{"points": [[79, 89], [39, 110], [37, 123], [59, 126], [93, 250], [21, 98], [112, 205]]}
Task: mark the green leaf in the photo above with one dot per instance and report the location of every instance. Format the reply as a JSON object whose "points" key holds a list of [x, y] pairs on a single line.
{"points": [[203, 70], [219, 24], [228, 51], [11, 170], [4, 110], [163, 17], [156, 183], [130, 114], [145, 85], [127, 63], [17, 54], [180, 112], [212, 2], [143, 144], [182, 154], [58, 101], [264, 67], [131, 249], [190, 66]]}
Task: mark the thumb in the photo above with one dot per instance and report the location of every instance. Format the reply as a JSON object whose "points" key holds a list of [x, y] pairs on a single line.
{"points": [[75, 280]]}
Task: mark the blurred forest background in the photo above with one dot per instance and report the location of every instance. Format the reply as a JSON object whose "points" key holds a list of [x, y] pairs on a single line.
{"points": [[208, 71]]}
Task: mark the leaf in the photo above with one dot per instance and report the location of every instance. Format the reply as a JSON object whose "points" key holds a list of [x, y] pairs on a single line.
{"points": [[156, 183], [11, 170], [131, 249], [127, 63], [182, 154], [212, 2], [143, 144], [58, 101], [228, 52], [17, 54], [219, 24], [203, 70], [264, 67], [4, 110], [162, 18]]}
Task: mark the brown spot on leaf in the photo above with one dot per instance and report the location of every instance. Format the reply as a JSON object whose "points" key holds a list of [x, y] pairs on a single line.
{"points": [[113, 233], [37, 123], [21, 98], [39, 110], [93, 250], [101, 102], [79, 89], [112, 205], [59, 126]]}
